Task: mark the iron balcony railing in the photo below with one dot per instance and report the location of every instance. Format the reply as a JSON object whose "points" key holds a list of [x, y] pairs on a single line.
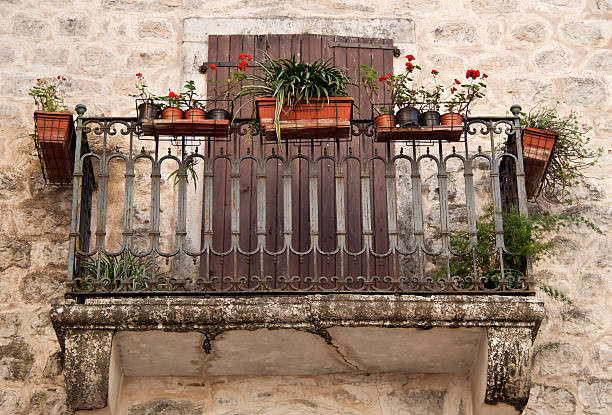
{"points": [[315, 217]]}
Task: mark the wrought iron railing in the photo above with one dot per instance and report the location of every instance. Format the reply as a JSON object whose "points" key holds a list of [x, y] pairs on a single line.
{"points": [[333, 216]]}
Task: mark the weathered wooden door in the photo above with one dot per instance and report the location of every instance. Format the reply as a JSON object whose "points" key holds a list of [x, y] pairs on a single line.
{"points": [[346, 53]]}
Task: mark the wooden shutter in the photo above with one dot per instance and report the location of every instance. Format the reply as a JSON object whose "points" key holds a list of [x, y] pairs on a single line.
{"points": [[306, 48]]}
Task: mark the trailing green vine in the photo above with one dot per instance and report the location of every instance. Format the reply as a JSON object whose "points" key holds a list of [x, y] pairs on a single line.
{"points": [[571, 155]]}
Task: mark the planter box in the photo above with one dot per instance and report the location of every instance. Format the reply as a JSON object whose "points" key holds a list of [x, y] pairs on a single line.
{"points": [[55, 144], [433, 133], [319, 118], [537, 149]]}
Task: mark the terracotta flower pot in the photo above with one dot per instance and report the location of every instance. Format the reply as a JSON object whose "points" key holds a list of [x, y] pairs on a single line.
{"points": [[195, 114], [172, 113], [451, 118], [537, 149], [385, 121], [54, 135]]}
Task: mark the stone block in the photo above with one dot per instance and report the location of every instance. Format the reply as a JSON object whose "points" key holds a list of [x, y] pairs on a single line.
{"points": [[531, 32], [595, 395], [581, 33], [11, 402], [454, 33], [414, 402], [43, 287], [166, 407], [16, 360], [600, 62], [14, 253], [48, 401], [54, 365], [7, 55], [144, 59], [99, 60], [555, 60], [29, 25], [557, 359], [546, 400], [154, 29], [73, 26], [603, 5], [50, 56], [497, 7], [586, 92], [529, 90], [9, 324]]}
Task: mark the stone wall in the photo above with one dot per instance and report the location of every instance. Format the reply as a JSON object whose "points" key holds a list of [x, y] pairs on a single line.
{"points": [[534, 52]]}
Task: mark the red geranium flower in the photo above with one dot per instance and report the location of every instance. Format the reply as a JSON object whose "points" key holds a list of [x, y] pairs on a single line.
{"points": [[409, 65], [484, 75], [472, 73], [38, 80], [434, 72], [453, 90], [410, 57], [139, 74], [244, 56], [172, 95], [458, 82], [58, 77], [213, 66]]}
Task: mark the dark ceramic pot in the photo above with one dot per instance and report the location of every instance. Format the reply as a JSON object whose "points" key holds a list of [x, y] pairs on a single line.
{"points": [[219, 114], [407, 117], [148, 110], [429, 118]]}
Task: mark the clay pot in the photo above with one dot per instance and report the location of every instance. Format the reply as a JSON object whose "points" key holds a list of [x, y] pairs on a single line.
{"points": [[451, 118], [172, 113], [407, 117], [429, 118], [148, 110], [385, 121], [195, 114], [219, 114]]}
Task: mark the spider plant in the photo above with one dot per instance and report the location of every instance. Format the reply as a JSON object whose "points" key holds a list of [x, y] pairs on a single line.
{"points": [[113, 270], [290, 82]]}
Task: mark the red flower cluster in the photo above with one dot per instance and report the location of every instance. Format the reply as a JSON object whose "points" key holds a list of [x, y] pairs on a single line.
{"points": [[434, 72], [384, 78], [38, 80], [484, 75], [243, 65], [409, 66], [458, 82], [472, 73], [245, 57], [453, 90], [410, 57], [211, 66], [172, 95], [139, 74]]}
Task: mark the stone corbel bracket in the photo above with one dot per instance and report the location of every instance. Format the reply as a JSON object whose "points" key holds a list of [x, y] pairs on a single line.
{"points": [[85, 331]]}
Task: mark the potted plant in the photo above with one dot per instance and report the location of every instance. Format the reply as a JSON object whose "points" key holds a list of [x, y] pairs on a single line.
{"points": [[224, 90], [305, 95], [171, 106], [54, 128], [555, 153], [430, 102], [194, 110], [457, 104], [400, 94], [146, 108]]}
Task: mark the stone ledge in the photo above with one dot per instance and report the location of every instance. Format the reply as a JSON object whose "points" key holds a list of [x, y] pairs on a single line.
{"points": [[345, 328], [306, 312]]}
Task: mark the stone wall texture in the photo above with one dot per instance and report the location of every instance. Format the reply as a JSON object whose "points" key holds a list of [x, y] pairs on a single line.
{"points": [[534, 52]]}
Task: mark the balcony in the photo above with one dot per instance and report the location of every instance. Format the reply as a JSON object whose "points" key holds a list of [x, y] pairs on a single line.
{"points": [[324, 252]]}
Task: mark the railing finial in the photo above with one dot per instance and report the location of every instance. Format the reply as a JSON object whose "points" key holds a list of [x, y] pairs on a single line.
{"points": [[80, 109], [515, 110]]}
